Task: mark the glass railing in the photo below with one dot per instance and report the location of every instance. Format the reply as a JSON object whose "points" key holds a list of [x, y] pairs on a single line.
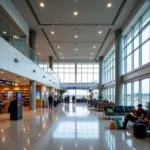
{"points": [[7, 33]]}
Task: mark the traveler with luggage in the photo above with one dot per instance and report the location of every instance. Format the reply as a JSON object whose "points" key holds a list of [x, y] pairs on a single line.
{"points": [[140, 114]]}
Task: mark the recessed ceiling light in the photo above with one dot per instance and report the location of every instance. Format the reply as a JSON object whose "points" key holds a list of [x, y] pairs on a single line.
{"points": [[62, 57], [52, 32], [2, 71], [76, 30], [61, 53], [99, 32], [76, 49], [76, 36], [90, 57], [4, 32], [91, 53], [42, 4], [94, 46], [75, 13], [109, 5], [39, 53], [58, 46]]}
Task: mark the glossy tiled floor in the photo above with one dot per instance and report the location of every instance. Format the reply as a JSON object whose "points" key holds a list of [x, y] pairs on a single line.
{"points": [[67, 127]]}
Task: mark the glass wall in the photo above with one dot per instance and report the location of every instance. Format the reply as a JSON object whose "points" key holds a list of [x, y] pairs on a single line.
{"points": [[87, 73], [109, 68], [137, 92], [109, 94], [65, 71], [77, 72], [136, 44]]}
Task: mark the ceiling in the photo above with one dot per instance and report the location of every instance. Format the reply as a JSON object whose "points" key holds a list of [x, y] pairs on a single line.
{"points": [[57, 15], [8, 76]]}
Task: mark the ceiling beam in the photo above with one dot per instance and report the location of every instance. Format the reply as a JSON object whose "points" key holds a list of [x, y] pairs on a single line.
{"points": [[49, 42], [113, 22]]}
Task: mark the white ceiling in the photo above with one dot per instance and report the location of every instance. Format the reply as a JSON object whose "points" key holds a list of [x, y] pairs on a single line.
{"points": [[8, 76], [57, 16]]}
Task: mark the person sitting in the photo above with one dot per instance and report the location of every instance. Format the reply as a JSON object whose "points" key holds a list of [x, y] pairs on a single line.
{"points": [[140, 114], [105, 101]]}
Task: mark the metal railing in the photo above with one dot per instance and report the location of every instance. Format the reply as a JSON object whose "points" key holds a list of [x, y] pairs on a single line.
{"points": [[7, 33]]}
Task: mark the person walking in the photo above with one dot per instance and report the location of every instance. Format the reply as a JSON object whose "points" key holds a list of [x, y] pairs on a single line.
{"points": [[50, 98], [73, 98]]}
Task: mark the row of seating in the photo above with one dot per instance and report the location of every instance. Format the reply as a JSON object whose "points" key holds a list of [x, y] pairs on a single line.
{"points": [[117, 110]]}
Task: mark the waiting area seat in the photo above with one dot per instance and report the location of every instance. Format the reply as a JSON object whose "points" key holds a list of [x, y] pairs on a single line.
{"points": [[117, 110]]}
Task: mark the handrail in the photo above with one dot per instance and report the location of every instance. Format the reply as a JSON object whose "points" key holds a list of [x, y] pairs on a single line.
{"points": [[7, 33]]}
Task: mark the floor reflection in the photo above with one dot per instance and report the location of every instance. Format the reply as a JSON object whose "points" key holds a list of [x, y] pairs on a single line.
{"points": [[77, 130], [75, 110]]}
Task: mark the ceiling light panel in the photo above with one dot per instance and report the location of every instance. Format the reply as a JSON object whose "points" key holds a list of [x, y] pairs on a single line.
{"points": [[109, 5], [75, 13], [42, 4]]}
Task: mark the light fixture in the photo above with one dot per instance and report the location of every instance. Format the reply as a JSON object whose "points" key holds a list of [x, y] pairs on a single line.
{"points": [[109, 5], [42, 4], [75, 13], [4, 32], [76, 36], [15, 37], [58, 46], [75, 30], [76, 49], [39, 53], [98, 25], [94, 46], [75, 1], [16, 60], [62, 57], [90, 57], [52, 32], [61, 53], [2, 71], [99, 32], [91, 53]]}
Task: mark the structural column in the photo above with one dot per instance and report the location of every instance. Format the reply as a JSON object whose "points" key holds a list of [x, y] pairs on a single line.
{"points": [[32, 43], [33, 95], [118, 68], [51, 62], [100, 74]]}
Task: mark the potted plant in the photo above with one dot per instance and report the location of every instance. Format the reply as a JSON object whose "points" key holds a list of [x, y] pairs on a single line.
{"points": [[100, 96], [61, 93]]}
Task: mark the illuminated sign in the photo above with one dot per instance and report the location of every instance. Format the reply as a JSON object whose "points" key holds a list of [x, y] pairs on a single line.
{"points": [[8, 83]]}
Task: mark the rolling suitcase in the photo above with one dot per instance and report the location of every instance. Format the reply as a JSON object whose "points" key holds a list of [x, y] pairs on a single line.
{"points": [[139, 130]]}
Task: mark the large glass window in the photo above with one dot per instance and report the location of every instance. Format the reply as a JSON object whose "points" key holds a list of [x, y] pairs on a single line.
{"points": [[84, 72], [136, 93], [136, 44], [109, 68], [145, 92], [128, 94], [65, 71], [110, 94], [87, 73]]}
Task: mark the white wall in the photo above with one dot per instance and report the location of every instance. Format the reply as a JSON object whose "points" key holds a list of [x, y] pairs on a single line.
{"points": [[24, 67], [15, 15]]}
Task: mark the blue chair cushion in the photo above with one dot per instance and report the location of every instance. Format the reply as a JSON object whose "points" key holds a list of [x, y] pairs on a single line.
{"points": [[128, 109], [119, 109]]}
